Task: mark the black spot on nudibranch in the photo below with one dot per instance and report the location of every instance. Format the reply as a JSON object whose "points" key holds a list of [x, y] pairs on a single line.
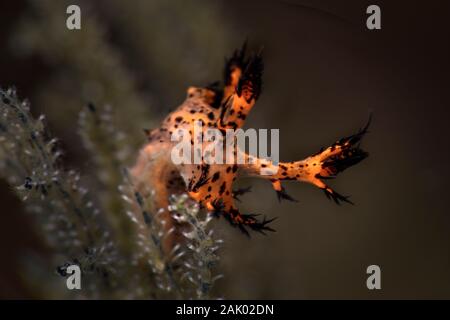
{"points": [[211, 115], [222, 188], [215, 177]]}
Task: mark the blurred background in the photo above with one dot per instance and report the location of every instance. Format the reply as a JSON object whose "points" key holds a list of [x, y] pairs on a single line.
{"points": [[325, 71]]}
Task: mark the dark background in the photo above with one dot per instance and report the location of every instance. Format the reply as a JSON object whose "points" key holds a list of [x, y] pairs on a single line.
{"points": [[324, 73]]}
